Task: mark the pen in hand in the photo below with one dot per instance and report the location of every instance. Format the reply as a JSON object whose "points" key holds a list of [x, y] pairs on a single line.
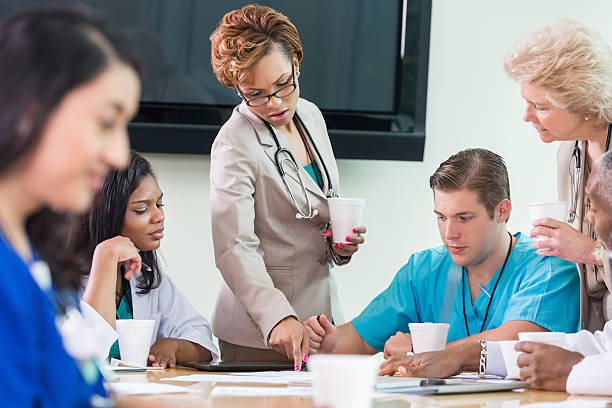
{"points": [[142, 265]]}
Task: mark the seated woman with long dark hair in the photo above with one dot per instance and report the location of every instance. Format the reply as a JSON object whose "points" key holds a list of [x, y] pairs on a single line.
{"points": [[124, 227]]}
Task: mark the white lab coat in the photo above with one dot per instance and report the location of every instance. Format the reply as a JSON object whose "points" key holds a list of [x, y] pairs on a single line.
{"points": [[593, 375], [174, 317]]}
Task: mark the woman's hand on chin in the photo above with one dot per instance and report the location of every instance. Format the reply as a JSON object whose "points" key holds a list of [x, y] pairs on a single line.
{"points": [[119, 249]]}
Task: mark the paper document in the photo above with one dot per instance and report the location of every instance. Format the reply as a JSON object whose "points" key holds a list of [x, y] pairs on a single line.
{"points": [[474, 376], [118, 365], [261, 392], [271, 392], [229, 379], [572, 403], [139, 388]]}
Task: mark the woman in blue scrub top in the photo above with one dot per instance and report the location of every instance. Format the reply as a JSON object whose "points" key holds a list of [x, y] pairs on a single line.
{"points": [[69, 88]]}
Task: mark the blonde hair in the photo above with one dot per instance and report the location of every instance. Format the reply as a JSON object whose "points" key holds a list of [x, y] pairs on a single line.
{"points": [[244, 36], [573, 63]]}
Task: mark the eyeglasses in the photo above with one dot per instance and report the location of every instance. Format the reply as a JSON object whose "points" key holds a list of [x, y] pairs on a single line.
{"points": [[281, 93]]}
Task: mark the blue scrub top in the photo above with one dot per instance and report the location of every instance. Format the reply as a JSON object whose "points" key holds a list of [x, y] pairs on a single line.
{"points": [[38, 372], [542, 290]]}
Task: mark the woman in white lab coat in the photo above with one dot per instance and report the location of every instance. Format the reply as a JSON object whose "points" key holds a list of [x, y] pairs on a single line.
{"points": [[125, 226]]}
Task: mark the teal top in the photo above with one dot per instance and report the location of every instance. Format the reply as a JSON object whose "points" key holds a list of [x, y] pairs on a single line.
{"points": [[124, 311], [313, 170], [541, 289]]}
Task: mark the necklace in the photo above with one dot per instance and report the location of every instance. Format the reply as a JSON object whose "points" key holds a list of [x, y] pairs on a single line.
{"points": [[464, 273]]}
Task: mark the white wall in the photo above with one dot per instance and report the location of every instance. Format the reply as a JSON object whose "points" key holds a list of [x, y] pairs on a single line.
{"points": [[471, 103]]}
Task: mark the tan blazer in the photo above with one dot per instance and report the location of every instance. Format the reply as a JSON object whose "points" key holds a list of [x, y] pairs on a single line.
{"points": [[595, 297], [273, 264]]}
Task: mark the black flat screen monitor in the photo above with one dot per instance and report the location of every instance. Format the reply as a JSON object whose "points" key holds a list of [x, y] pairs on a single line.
{"points": [[364, 66]]}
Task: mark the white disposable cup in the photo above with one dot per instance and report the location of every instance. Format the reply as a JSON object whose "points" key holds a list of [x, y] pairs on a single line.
{"points": [[343, 380], [428, 336], [345, 214], [553, 338], [555, 210], [135, 340], [510, 355]]}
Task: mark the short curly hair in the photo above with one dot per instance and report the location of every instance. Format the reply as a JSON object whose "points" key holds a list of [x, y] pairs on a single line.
{"points": [[246, 35], [573, 63]]}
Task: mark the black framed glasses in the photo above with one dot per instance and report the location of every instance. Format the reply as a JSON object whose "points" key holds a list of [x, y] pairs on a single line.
{"points": [[281, 93]]}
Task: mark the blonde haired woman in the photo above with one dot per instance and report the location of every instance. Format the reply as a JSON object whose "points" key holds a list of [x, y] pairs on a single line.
{"points": [[272, 170], [565, 73]]}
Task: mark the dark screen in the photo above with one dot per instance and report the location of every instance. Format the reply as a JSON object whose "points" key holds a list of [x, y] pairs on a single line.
{"points": [[351, 48]]}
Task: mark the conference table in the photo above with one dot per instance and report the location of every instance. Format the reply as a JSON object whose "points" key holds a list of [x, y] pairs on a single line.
{"points": [[201, 395]]}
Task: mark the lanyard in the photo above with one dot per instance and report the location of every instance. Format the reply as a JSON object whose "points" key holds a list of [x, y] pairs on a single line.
{"points": [[464, 273]]}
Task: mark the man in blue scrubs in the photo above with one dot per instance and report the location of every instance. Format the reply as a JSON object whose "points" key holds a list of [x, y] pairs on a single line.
{"points": [[484, 282]]}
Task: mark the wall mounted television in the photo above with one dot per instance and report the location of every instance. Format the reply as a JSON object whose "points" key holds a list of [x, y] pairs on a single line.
{"points": [[365, 66]]}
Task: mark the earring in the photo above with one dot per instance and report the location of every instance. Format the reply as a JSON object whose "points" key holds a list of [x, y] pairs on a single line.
{"points": [[586, 118]]}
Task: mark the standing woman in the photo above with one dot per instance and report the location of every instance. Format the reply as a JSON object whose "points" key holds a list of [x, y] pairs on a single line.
{"points": [[272, 170], [69, 88], [565, 73]]}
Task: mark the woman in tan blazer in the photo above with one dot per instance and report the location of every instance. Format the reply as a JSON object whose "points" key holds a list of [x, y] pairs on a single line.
{"points": [[565, 73], [274, 254]]}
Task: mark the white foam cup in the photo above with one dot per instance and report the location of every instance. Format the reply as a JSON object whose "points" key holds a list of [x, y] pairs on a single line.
{"points": [[345, 214], [510, 355], [428, 336], [555, 210], [343, 380], [135, 340], [553, 338]]}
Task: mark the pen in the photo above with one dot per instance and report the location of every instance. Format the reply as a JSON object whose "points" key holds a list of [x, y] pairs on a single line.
{"points": [[432, 381], [146, 267], [484, 290], [437, 381]]}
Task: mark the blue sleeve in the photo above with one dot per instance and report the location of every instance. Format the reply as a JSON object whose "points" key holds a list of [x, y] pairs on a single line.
{"points": [[18, 343], [39, 371], [548, 295], [389, 312]]}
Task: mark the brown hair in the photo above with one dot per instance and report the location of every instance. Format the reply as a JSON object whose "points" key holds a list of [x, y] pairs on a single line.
{"points": [[478, 170], [246, 35]]}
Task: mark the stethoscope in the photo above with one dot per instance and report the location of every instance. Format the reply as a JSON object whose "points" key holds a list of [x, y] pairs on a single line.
{"points": [[575, 177], [284, 157]]}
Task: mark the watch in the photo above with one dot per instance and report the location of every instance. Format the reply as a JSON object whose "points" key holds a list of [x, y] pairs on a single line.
{"points": [[599, 253], [482, 364]]}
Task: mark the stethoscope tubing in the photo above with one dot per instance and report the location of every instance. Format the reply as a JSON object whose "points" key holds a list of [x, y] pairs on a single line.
{"points": [[281, 170]]}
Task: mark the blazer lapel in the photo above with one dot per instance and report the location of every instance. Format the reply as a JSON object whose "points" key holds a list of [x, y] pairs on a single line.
{"points": [[270, 148], [324, 159]]}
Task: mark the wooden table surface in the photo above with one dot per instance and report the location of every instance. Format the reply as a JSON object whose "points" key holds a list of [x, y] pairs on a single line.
{"points": [[202, 397]]}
